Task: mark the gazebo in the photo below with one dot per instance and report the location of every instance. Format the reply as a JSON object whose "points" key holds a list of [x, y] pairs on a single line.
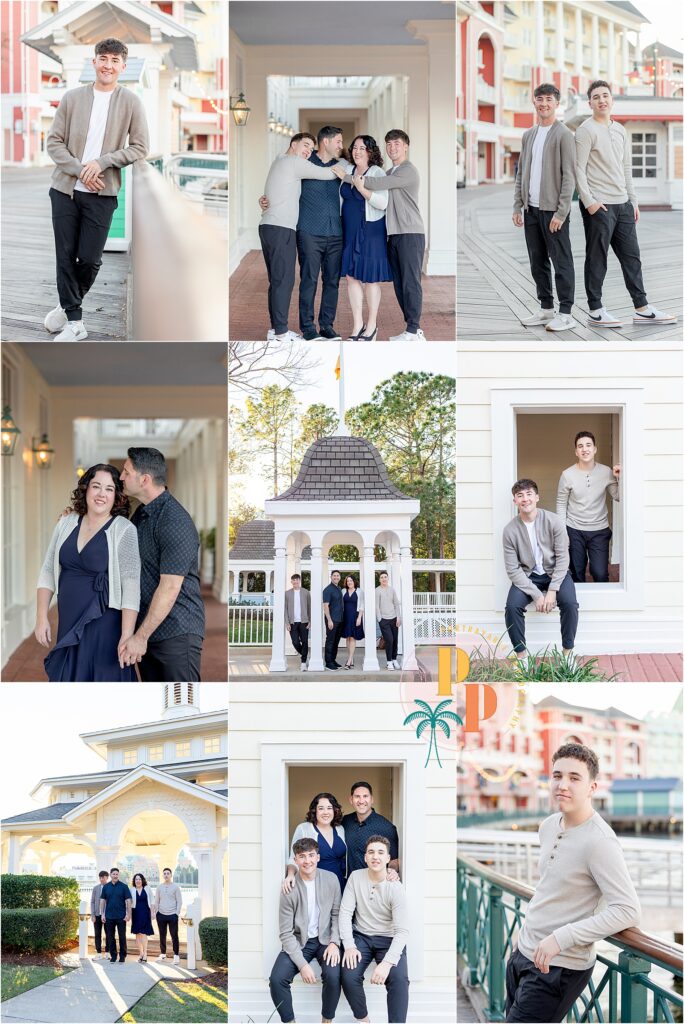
{"points": [[342, 495]]}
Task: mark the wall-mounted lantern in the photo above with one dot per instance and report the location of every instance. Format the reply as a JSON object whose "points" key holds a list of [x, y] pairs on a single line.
{"points": [[10, 432], [239, 109], [43, 454]]}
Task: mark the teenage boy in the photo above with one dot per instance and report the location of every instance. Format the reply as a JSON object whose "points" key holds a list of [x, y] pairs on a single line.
{"points": [[544, 184], [115, 910], [536, 557], [278, 228], [95, 915], [333, 613], [309, 929], [166, 908], [581, 504], [298, 617], [609, 209], [581, 863], [87, 144], [405, 229], [365, 821], [388, 617], [374, 927]]}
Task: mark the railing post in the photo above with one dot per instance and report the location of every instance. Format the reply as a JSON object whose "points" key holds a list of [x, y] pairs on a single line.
{"points": [[472, 932], [496, 952], [83, 918], [634, 997]]}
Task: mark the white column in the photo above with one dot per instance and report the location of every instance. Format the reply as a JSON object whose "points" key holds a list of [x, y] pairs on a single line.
{"points": [[236, 581], [407, 630], [245, 580], [220, 589], [539, 33], [611, 53], [370, 658], [594, 46], [560, 36], [578, 40], [393, 569], [14, 854], [83, 918], [438, 583], [278, 662], [316, 637], [625, 57]]}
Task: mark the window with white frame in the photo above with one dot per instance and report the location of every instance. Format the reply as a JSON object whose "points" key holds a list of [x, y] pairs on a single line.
{"points": [[644, 154], [156, 752], [212, 745], [130, 757], [182, 750]]}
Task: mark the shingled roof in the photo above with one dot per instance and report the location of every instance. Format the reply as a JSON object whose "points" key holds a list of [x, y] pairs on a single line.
{"points": [[255, 542], [55, 812], [342, 469]]}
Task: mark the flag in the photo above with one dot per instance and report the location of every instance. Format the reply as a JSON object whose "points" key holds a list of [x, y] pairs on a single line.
{"points": [[337, 369]]}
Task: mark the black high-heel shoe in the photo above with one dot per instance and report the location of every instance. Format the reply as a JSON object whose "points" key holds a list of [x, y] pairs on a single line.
{"points": [[357, 337], [369, 337]]}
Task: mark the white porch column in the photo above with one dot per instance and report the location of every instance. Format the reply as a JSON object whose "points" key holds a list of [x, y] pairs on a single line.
{"points": [[560, 36], [203, 854], [438, 583], [625, 54], [105, 857], [408, 633], [219, 510], [370, 657], [316, 637], [245, 581], [278, 662], [14, 854], [594, 45], [611, 53], [578, 41], [236, 582], [394, 571]]}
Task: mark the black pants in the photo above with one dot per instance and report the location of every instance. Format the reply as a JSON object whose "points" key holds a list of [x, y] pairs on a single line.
{"points": [[517, 602], [98, 935], [405, 254], [299, 634], [169, 921], [318, 254], [176, 660], [332, 641], [390, 634], [615, 227], [111, 929], [278, 246], [284, 971], [80, 226], [545, 247], [591, 546], [373, 948], [536, 998]]}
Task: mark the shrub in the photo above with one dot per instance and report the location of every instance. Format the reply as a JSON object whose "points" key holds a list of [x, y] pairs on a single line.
{"points": [[31, 892], [36, 931], [213, 933]]}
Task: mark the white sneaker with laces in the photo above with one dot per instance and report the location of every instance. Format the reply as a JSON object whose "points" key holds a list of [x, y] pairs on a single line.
{"points": [[74, 331], [407, 336], [561, 322], [55, 320], [305, 667], [396, 665], [162, 956], [176, 959], [651, 315], [390, 666], [544, 316], [602, 318], [270, 334], [288, 336]]}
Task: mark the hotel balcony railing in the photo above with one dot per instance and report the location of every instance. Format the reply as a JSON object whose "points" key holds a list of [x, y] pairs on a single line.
{"points": [[490, 908]]}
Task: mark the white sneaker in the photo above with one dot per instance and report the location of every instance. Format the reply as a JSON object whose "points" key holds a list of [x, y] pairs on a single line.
{"points": [[602, 318], [162, 956], [651, 315], [288, 336], [74, 331], [561, 322], [407, 336], [390, 666], [55, 320], [176, 959], [305, 667], [270, 334], [396, 665], [539, 319]]}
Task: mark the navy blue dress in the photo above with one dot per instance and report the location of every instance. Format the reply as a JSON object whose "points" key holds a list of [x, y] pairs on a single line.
{"points": [[364, 256], [333, 858], [349, 627], [141, 916], [89, 630]]}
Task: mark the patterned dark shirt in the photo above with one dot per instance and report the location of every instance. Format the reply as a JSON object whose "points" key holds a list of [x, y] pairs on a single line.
{"points": [[319, 204], [169, 544], [357, 833], [332, 596]]}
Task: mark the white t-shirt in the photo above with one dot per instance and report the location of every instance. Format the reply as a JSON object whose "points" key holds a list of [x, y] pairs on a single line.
{"points": [[96, 130], [536, 165], [297, 606], [313, 908], [536, 550]]}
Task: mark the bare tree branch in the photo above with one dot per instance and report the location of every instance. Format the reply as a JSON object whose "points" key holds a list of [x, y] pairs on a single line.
{"points": [[253, 365]]}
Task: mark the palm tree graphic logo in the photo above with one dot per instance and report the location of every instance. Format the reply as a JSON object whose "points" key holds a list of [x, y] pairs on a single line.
{"points": [[433, 718]]}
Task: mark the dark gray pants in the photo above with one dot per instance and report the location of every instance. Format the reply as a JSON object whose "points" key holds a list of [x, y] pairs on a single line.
{"points": [[279, 246], [405, 254], [299, 635], [332, 642], [390, 634], [319, 255], [537, 998], [544, 248], [613, 227], [80, 226], [517, 602], [176, 660], [592, 546], [284, 971], [373, 948]]}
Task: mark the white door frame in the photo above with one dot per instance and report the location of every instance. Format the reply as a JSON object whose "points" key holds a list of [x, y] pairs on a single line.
{"points": [[276, 758]]}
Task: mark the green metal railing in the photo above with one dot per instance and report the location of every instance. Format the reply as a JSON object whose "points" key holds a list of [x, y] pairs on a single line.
{"points": [[490, 909], [467, 820]]}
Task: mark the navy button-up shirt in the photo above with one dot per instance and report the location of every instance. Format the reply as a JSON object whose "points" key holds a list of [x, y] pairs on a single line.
{"points": [[319, 204], [357, 833], [169, 544], [115, 897], [332, 596]]}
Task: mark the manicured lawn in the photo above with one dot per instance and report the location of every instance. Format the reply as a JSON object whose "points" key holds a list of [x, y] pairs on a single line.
{"points": [[177, 1002], [18, 978]]}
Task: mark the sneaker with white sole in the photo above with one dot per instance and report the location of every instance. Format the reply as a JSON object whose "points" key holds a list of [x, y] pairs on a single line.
{"points": [[270, 334], [288, 336], [409, 336], [602, 318], [305, 667], [390, 666], [396, 665], [55, 320], [651, 315], [74, 331], [176, 959], [162, 956], [561, 322], [543, 316]]}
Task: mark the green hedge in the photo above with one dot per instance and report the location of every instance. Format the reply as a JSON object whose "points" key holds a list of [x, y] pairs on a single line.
{"points": [[35, 931], [213, 933], [32, 892]]}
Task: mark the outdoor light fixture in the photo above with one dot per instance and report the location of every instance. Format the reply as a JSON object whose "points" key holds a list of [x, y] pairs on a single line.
{"points": [[271, 123], [240, 109], [10, 432], [80, 470], [42, 452]]}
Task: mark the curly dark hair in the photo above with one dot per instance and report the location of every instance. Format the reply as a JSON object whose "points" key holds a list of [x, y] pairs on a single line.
{"points": [[337, 808], [142, 878], [374, 155], [353, 579], [121, 506]]}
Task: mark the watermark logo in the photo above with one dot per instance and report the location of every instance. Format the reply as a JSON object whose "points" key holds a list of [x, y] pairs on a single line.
{"points": [[433, 719]]}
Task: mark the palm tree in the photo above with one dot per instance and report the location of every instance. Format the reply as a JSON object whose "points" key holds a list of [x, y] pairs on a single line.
{"points": [[434, 718]]}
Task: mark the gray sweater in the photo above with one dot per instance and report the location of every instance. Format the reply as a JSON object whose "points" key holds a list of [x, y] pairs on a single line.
{"points": [[557, 172], [519, 557], [294, 915], [603, 167], [387, 605], [374, 908], [284, 186], [168, 899], [403, 213], [581, 498], [579, 867]]}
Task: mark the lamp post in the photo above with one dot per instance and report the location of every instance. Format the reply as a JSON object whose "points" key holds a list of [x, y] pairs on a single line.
{"points": [[10, 432]]}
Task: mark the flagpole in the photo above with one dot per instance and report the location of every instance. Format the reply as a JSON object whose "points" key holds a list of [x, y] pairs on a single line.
{"points": [[343, 428]]}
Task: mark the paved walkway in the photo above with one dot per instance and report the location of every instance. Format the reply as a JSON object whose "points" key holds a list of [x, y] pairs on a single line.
{"points": [[97, 991], [465, 1014], [247, 663], [249, 305], [495, 288], [28, 266], [425, 1007]]}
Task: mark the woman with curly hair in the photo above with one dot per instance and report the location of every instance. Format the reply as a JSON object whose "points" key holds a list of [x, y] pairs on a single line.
{"points": [[92, 566], [323, 824], [141, 915]]}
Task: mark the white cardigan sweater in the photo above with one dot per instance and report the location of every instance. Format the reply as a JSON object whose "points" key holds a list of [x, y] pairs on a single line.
{"points": [[377, 204], [124, 561]]}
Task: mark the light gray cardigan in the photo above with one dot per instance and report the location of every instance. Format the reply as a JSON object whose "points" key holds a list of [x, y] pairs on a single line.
{"points": [[306, 830], [124, 561], [377, 204], [557, 171], [552, 538]]}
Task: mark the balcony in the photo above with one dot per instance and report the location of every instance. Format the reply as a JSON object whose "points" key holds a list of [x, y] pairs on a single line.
{"points": [[517, 72], [485, 93]]}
